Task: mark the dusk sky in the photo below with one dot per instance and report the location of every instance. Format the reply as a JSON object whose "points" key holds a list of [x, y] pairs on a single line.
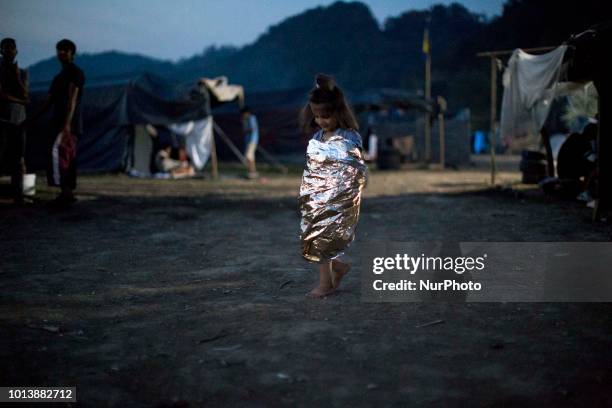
{"points": [[166, 29]]}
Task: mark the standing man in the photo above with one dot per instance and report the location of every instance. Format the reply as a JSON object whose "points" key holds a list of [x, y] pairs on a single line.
{"points": [[13, 98], [66, 124], [251, 138]]}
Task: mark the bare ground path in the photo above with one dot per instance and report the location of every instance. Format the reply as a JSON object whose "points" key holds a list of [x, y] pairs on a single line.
{"points": [[191, 293]]}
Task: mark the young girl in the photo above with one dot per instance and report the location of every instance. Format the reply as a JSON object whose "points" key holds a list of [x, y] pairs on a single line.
{"points": [[334, 176]]}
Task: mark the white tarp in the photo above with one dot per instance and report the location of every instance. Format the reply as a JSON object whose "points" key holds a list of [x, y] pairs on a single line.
{"points": [[198, 139], [223, 91], [530, 85]]}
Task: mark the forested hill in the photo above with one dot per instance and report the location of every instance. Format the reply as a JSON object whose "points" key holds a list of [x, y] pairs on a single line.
{"points": [[344, 39]]}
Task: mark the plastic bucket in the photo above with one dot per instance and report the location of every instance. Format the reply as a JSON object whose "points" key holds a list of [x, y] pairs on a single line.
{"points": [[29, 184]]}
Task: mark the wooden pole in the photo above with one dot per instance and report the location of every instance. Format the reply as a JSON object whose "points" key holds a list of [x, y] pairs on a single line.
{"points": [[493, 137], [428, 114], [213, 157], [507, 52], [442, 144], [272, 160], [229, 143], [441, 129]]}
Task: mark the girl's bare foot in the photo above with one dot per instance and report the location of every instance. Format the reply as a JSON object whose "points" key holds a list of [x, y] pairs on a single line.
{"points": [[320, 292], [338, 270], [325, 287]]}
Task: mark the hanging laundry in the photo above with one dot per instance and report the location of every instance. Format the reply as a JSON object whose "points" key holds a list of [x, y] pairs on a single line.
{"points": [[530, 84]]}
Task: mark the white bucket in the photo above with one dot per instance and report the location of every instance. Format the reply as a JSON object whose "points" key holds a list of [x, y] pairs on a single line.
{"points": [[29, 184]]}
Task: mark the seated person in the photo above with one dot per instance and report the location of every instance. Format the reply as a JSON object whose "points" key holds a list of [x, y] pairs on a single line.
{"points": [[177, 168], [164, 162]]}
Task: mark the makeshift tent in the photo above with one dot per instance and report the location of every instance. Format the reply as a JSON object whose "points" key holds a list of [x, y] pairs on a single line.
{"points": [[277, 113], [112, 110], [586, 58]]}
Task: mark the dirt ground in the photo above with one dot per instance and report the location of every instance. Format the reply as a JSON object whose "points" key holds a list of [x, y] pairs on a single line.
{"points": [[191, 293]]}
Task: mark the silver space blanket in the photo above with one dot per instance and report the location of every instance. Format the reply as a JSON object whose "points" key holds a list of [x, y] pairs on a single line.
{"points": [[330, 196]]}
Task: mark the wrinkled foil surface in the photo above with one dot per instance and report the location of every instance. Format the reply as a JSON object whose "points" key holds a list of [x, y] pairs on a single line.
{"points": [[330, 196]]}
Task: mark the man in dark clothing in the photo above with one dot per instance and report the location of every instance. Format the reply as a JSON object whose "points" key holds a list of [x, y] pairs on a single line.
{"points": [[66, 124], [13, 97]]}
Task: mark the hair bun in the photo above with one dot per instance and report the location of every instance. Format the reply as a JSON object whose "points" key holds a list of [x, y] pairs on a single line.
{"points": [[326, 82]]}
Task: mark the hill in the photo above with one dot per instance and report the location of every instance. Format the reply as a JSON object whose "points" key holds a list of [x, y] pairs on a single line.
{"points": [[344, 39]]}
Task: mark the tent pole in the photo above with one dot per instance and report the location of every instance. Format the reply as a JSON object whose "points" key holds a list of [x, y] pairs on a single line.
{"points": [[213, 156], [272, 160], [442, 131], [493, 137], [442, 144], [428, 113], [229, 143]]}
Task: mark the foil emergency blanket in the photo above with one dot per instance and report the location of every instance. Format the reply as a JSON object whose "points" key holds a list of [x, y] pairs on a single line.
{"points": [[330, 196]]}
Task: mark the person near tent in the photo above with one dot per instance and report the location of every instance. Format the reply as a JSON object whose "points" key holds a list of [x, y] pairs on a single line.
{"points": [[576, 160], [164, 162], [13, 98], [334, 176], [65, 96], [164, 142], [250, 129]]}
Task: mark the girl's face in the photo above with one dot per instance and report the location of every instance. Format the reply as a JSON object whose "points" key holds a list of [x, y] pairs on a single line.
{"points": [[323, 118]]}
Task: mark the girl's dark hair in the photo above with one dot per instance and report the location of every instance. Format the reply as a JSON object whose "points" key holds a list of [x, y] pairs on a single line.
{"points": [[327, 93]]}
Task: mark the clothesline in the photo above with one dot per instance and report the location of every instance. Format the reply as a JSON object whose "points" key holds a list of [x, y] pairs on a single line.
{"points": [[508, 52]]}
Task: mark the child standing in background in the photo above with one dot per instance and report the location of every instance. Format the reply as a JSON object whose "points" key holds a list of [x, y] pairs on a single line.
{"points": [[250, 128], [330, 194]]}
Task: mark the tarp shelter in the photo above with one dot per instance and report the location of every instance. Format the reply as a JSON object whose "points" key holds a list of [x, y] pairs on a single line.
{"points": [[587, 59], [111, 109], [277, 113]]}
